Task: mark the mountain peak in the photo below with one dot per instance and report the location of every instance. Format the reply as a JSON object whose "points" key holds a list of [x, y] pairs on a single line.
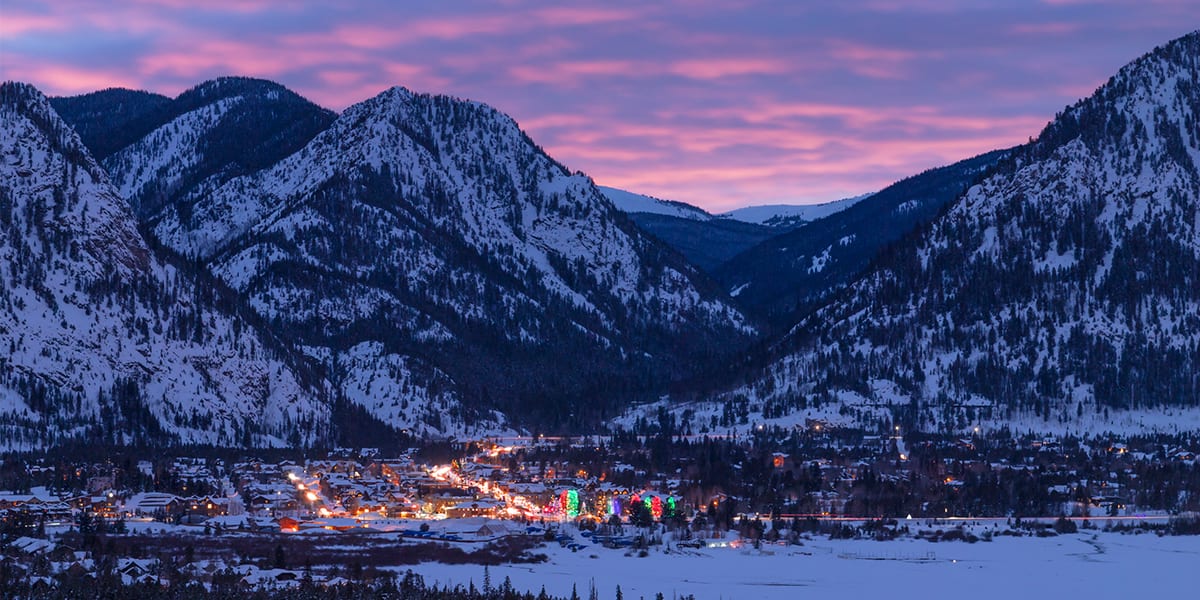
{"points": [[26, 100], [15, 91], [155, 147], [228, 86], [1166, 74]]}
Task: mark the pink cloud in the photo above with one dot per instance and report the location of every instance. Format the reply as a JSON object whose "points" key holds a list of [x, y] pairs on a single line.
{"points": [[574, 72], [876, 62], [263, 58], [340, 78], [576, 15], [15, 24], [231, 6], [1045, 28], [556, 121], [54, 79], [727, 67], [721, 167]]}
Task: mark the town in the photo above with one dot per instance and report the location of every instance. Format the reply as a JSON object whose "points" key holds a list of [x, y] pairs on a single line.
{"points": [[215, 518]]}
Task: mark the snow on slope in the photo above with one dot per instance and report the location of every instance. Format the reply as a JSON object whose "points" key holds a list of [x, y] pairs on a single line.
{"points": [[779, 214], [207, 135], [776, 215], [102, 341], [160, 158], [638, 203]]}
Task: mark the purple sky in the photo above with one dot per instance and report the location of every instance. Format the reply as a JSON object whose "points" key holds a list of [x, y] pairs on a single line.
{"points": [[717, 103]]}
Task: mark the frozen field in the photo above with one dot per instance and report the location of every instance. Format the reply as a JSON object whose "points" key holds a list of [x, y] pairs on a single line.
{"points": [[1092, 565]]}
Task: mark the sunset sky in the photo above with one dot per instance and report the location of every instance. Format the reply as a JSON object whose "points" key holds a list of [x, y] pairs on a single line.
{"points": [[717, 103]]}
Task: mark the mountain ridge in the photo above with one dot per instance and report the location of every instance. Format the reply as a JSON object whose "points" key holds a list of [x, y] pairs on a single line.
{"points": [[414, 232]]}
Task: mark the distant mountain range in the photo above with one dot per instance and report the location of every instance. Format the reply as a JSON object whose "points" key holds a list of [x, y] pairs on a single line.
{"points": [[238, 266], [781, 261], [791, 216], [787, 275], [709, 240]]}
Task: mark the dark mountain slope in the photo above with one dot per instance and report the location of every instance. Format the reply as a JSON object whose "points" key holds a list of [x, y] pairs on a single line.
{"points": [[111, 119], [789, 274], [706, 244]]}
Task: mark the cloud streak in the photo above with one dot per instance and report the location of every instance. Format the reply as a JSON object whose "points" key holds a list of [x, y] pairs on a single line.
{"points": [[717, 104]]}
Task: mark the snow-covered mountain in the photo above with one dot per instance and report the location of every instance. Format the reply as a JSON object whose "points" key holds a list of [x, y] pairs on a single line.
{"points": [[436, 263], [709, 241], [209, 134], [631, 202], [104, 342], [1063, 288], [790, 216]]}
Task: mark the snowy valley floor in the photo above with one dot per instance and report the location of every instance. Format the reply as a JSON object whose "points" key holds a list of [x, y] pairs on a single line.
{"points": [[1090, 564]]}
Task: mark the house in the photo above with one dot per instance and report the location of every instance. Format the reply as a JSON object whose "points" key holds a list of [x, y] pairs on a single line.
{"points": [[288, 524], [208, 506], [781, 460], [534, 493], [495, 529], [331, 523], [475, 508], [232, 523], [475, 529], [103, 505], [8, 500], [135, 568], [273, 500], [32, 546], [154, 504], [435, 503], [254, 577], [192, 519], [79, 569]]}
